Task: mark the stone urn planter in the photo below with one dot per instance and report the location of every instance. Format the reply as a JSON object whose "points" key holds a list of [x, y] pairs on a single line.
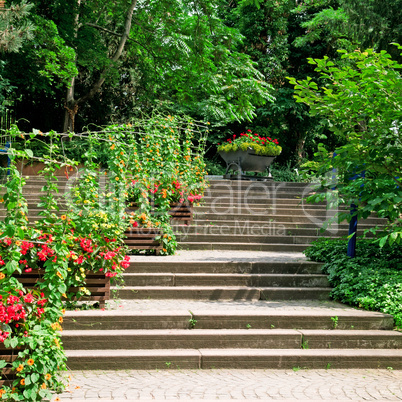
{"points": [[246, 161]]}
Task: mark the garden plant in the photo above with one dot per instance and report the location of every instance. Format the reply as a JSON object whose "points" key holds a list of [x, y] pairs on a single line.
{"points": [[81, 230]]}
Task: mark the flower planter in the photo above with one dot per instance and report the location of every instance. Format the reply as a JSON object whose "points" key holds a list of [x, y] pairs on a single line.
{"points": [[7, 374], [246, 161], [181, 212], [178, 211], [144, 239], [97, 283]]}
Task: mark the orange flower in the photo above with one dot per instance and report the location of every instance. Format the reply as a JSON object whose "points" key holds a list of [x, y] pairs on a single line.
{"points": [[48, 377], [2, 391], [22, 382], [43, 386], [60, 319], [18, 243], [113, 147], [30, 362], [59, 275], [2, 276], [63, 217], [20, 367]]}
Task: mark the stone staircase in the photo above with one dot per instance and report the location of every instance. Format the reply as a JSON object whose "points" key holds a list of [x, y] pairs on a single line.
{"points": [[239, 294]]}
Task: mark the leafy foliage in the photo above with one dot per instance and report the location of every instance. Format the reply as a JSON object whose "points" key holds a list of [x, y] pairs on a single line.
{"points": [[15, 28], [361, 100], [372, 280]]}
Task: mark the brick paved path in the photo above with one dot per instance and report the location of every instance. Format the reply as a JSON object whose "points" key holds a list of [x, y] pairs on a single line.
{"points": [[207, 385]]}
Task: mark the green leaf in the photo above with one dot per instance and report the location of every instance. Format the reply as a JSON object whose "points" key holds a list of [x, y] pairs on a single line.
{"points": [[29, 152], [383, 240], [34, 377]]}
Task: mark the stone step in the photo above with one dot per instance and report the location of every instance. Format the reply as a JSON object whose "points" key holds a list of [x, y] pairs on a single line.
{"points": [[256, 194], [182, 339], [249, 280], [256, 201], [218, 318], [222, 293], [301, 218], [234, 358], [249, 238], [267, 210], [260, 185], [219, 267], [230, 338], [185, 245], [264, 229]]}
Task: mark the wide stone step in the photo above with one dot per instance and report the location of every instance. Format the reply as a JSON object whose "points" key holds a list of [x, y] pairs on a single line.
{"points": [[249, 280], [256, 194], [265, 318], [219, 267], [271, 186], [258, 202], [301, 218], [234, 358], [222, 293], [267, 210], [230, 338], [186, 245], [351, 339], [182, 339], [263, 228], [249, 238], [273, 226]]}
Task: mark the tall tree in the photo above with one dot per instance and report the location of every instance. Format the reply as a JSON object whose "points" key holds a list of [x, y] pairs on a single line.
{"points": [[133, 56], [271, 31]]}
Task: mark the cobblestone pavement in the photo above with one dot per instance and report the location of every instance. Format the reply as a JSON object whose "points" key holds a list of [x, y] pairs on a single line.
{"points": [[224, 385]]}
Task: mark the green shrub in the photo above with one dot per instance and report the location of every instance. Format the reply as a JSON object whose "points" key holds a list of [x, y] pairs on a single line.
{"points": [[372, 280]]}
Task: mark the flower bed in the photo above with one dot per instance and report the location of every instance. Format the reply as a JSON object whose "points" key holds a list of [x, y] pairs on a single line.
{"points": [[74, 254]]}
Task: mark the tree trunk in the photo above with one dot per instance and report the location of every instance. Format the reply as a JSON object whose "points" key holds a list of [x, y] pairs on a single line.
{"points": [[301, 140], [72, 104]]}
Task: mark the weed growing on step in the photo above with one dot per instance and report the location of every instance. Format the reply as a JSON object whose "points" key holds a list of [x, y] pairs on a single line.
{"points": [[168, 364], [335, 321], [248, 326], [192, 321], [328, 366], [295, 369]]}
